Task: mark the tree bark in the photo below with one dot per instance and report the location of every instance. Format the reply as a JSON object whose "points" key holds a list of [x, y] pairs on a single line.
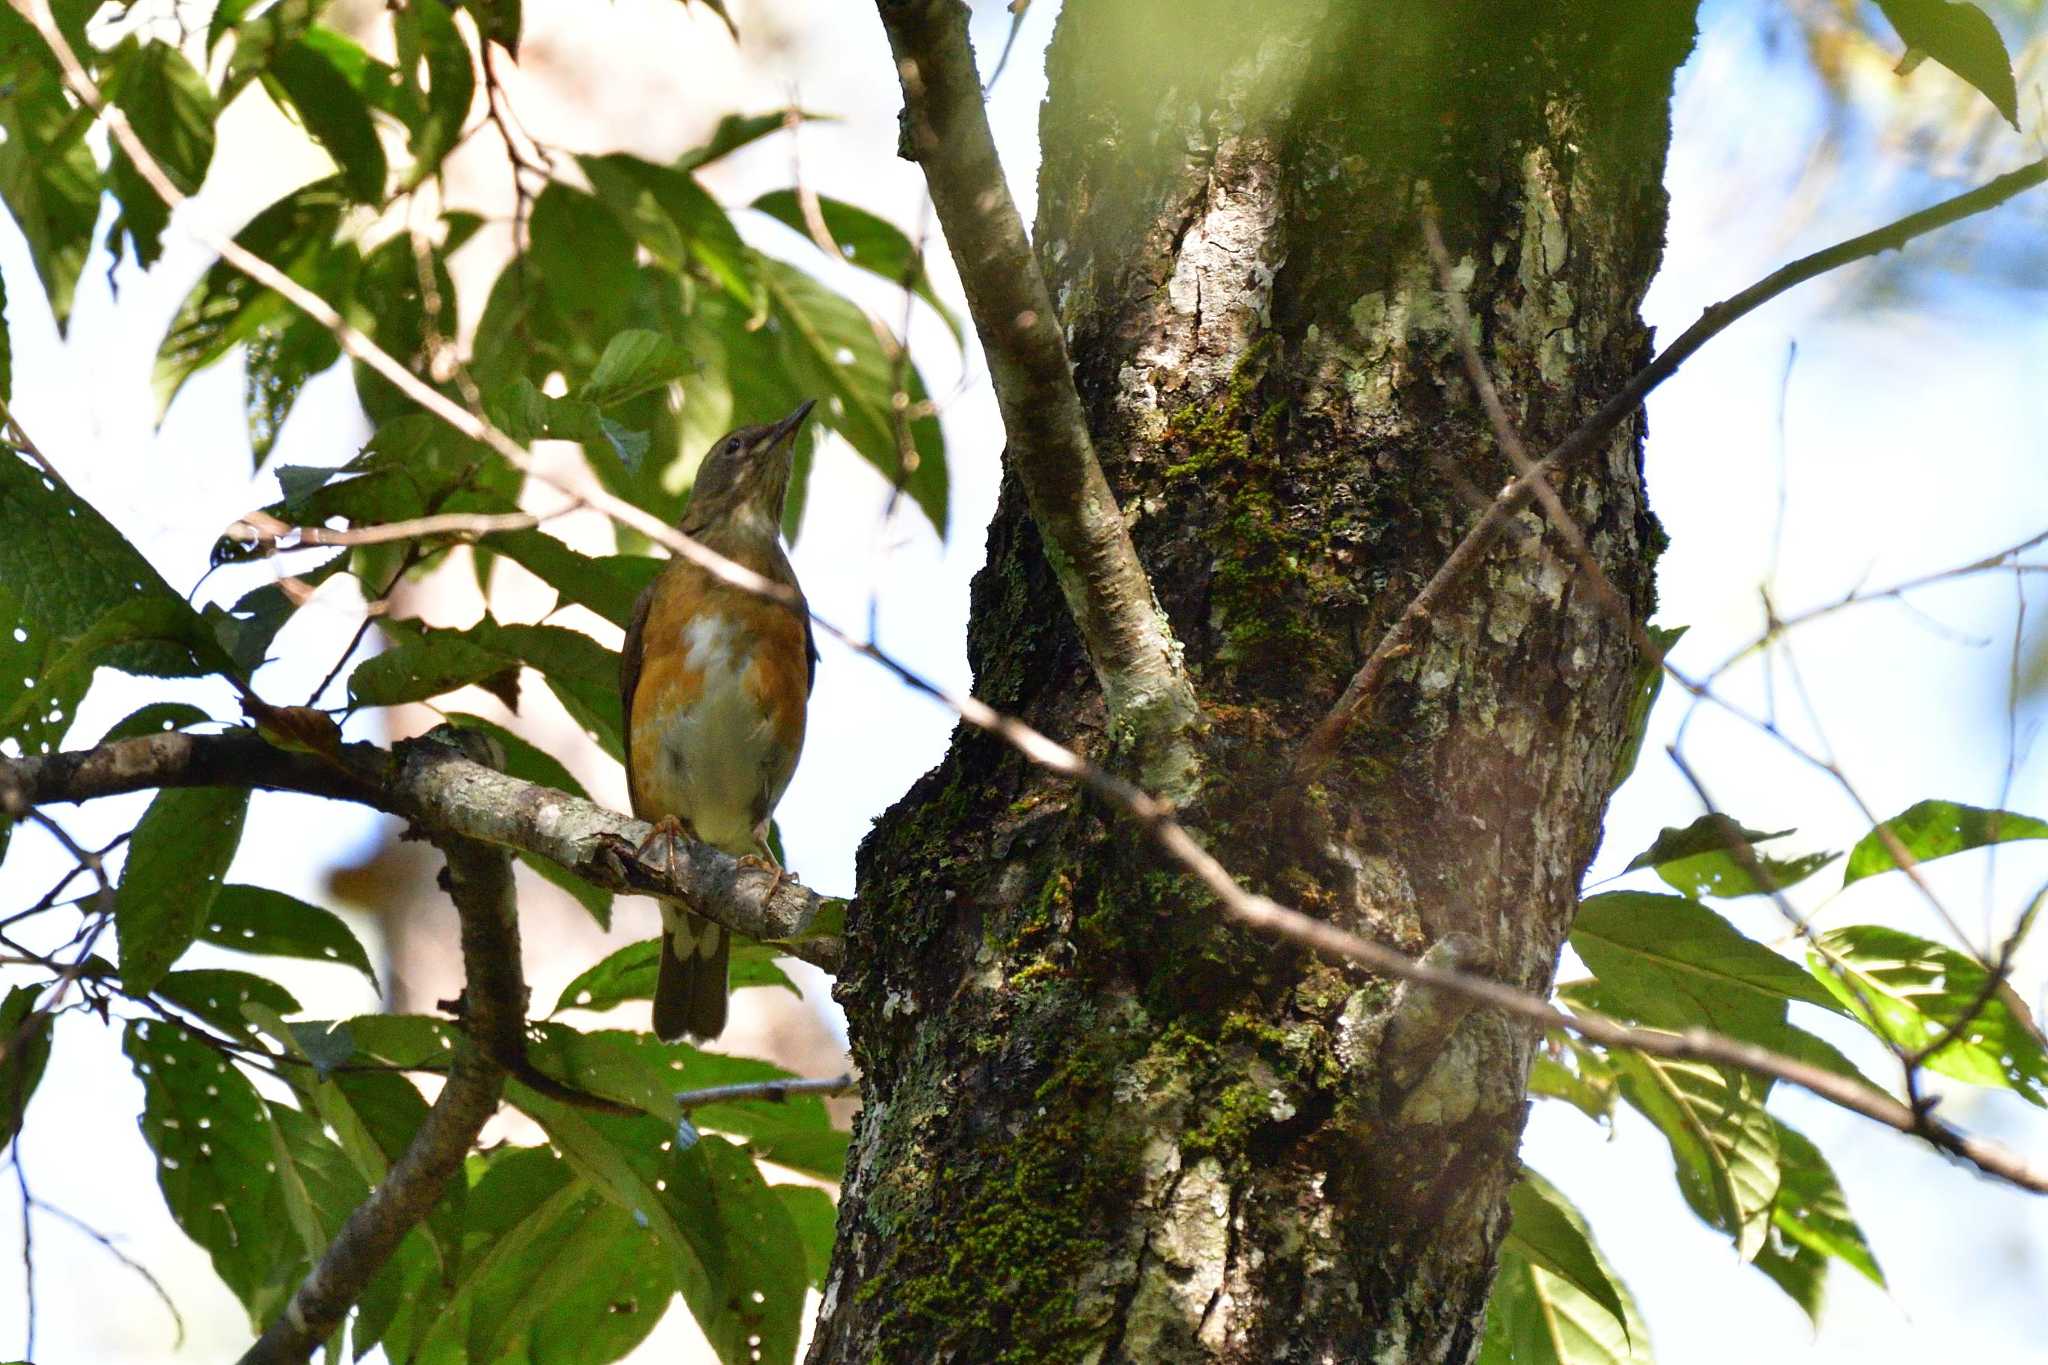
{"points": [[1099, 1124]]}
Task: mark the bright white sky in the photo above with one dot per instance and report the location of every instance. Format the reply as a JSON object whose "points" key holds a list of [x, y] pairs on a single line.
{"points": [[1912, 440]]}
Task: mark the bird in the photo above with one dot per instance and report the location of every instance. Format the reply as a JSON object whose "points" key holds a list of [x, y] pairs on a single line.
{"points": [[715, 681]]}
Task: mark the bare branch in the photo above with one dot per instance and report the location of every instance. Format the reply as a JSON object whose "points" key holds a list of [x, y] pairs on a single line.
{"points": [[773, 1091], [479, 881], [1398, 638], [946, 131]]}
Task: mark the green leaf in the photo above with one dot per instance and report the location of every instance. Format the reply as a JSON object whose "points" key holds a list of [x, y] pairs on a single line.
{"points": [[1811, 1208], [678, 222], [1797, 1269], [582, 673], [608, 586], [176, 864], [158, 717], [1706, 858], [1551, 1235], [829, 350], [522, 758], [735, 131], [1535, 1317], [1919, 992], [153, 634], [584, 262], [1723, 1145], [1649, 682], [227, 308], [730, 1244], [172, 109], [217, 1163], [49, 181], [1934, 829], [629, 973], [222, 999], [256, 919], [6, 350], [498, 21], [281, 357], [874, 244], [438, 661], [334, 113], [1962, 38], [816, 1219], [635, 361], [1673, 962], [24, 1053], [1591, 1094], [450, 88]]}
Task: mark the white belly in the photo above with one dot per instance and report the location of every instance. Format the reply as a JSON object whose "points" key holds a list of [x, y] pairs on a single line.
{"points": [[719, 763]]}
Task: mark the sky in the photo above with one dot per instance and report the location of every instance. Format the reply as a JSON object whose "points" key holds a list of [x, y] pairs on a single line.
{"points": [[1908, 437]]}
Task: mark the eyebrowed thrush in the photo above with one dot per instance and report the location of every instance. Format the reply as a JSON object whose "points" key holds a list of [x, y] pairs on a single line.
{"points": [[715, 680]]}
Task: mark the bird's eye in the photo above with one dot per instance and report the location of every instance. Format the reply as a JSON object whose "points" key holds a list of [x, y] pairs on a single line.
{"points": [[732, 446]]}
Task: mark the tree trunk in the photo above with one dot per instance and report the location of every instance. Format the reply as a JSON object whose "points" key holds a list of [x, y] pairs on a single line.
{"points": [[1098, 1123]]}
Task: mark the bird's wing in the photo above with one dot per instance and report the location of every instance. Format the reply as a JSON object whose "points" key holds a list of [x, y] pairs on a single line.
{"points": [[629, 679]]}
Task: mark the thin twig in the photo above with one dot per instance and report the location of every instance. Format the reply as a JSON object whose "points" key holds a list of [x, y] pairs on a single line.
{"points": [[107, 1244], [773, 1091]]}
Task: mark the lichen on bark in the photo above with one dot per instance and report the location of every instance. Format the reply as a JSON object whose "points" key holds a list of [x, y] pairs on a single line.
{"points": [[1101, 1123]]}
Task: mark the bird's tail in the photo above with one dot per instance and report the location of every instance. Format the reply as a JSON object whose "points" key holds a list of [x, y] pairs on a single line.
{"points": [[690, 985]]}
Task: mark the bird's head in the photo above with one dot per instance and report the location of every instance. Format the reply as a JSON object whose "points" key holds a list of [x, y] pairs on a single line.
{"points": [[742, 481]]}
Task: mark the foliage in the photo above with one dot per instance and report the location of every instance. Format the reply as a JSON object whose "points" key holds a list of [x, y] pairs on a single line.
{"points": [[636, 322]]}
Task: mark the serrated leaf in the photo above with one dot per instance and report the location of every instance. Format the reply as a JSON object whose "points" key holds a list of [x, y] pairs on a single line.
{"points": [[334, 113], [1962, 38], [1723, 1146], [1551, 1235], [24, 1053], [1934, 829], [176, 864], [256, 919], [1918, 992], [872, 243]]}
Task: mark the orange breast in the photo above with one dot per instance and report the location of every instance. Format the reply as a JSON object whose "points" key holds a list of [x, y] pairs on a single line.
{"points": [[717, 715]]}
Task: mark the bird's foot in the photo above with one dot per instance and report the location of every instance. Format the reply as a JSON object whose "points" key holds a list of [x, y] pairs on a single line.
{"points": [[765, 861], [666, 836]]}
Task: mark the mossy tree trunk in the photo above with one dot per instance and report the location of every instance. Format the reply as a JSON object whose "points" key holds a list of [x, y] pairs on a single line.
{"points": [[1098, 1123]]}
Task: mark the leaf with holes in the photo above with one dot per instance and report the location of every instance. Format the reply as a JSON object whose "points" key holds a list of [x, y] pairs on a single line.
{"points": [[157, 718], [629, 973], [256, 919], [1922, 995], [1934, 829], [176, 864], [222, 1000]]}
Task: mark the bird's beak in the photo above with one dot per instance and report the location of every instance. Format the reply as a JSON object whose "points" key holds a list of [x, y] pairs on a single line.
{"points": [[785, 430]]}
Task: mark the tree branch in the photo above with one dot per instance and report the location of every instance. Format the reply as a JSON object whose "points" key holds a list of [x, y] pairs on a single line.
{"points": [[443, 793], [1398, 638], [479, 881], [1127, 636]]}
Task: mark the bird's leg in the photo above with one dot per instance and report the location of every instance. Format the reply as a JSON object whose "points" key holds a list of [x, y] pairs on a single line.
{"points": [[765, 860]]}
